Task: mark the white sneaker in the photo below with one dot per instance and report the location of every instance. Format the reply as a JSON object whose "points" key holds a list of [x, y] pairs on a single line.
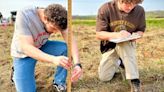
{"points": [[60, 88]]}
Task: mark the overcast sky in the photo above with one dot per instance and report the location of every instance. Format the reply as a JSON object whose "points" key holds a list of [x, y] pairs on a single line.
{"points": [[80, 7]]}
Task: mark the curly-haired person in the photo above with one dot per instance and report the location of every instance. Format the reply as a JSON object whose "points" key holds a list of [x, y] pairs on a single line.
{"points": [[119, 19], [30, 44]]}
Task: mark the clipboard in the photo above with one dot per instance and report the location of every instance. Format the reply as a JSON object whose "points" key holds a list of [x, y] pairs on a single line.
{"points": [[131, 37]]}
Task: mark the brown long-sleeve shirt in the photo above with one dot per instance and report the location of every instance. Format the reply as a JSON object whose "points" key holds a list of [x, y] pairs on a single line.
{"points": [[111, 19]]}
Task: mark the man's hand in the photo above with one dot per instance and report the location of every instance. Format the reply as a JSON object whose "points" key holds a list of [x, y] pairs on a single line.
{"points": [[124, 33], [62, 61], [139, 33], [76, 74]]}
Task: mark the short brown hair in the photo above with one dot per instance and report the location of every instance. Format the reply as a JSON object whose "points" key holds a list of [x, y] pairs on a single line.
{"points": [[131, 1], [56, 14]]}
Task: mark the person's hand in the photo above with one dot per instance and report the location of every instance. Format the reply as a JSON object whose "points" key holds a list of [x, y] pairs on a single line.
{"points": [[138, 33], [124, 33], [76, 74], [62, 61]]}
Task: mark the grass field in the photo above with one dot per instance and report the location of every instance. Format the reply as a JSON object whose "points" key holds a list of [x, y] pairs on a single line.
{"points": [[151, 22], [150, 54]]}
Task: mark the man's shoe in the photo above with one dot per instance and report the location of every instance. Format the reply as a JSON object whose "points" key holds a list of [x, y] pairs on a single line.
{"points": [[59, 88], [135, 85]]}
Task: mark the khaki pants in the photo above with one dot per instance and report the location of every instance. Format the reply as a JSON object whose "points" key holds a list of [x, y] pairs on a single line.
{"points": [[109, 65]]}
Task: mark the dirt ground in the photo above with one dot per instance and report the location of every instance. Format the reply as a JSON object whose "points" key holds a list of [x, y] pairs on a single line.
{"points": [[150, 54]]}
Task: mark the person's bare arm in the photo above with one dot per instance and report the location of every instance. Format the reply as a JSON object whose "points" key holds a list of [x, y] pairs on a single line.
{"points": [[103, 35], [140, 33], [28, 47], [75, 53], [77, 70]]}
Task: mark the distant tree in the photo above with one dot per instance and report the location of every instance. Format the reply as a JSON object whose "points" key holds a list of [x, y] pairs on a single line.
{"points": [[13, 15], [155, 14], [1, 16]]}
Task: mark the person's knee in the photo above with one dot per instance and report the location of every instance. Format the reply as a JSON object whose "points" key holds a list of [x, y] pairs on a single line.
{"points": [[106, 73], [105, 78], [22, 85], [102, 78]]}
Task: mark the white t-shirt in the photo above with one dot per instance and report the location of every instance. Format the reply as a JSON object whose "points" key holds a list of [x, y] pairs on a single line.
{"points": [[28, 23]]}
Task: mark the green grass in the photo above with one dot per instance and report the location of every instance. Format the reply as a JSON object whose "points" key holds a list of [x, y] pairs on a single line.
{"points": [[155, 14], [155, 22], [86, 22], [150, 22]]}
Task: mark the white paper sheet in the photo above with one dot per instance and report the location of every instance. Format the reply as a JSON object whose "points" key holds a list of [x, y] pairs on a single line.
{"points": [[131, 37]]}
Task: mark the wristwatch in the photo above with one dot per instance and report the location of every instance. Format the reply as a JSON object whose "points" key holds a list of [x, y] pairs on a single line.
{"points": [[78, 64]]}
